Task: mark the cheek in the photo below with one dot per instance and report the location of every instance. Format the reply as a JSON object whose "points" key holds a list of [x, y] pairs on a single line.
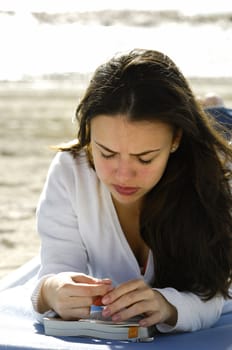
{"points": [[148, 177], [151, 175], [103, 169]]}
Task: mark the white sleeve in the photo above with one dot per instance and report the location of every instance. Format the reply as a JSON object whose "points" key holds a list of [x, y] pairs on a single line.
{"points": [[62, 248], [57, 221], [193, 312], [34, 299]]}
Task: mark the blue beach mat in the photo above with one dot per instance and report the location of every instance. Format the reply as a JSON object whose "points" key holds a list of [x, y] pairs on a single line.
{"points": [[18, 329]]}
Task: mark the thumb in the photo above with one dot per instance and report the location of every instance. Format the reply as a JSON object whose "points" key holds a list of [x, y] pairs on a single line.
{"points": [[82, 278]]}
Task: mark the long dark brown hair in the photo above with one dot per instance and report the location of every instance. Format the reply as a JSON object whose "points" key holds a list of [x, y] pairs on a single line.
{"points": [[186, 218]]}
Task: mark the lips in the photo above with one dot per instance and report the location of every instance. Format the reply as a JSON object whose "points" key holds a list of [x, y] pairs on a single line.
{"points": [[126, 191]]}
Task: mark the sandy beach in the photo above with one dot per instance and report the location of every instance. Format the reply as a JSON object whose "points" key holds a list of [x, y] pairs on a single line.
{"points": [[32, 118]]}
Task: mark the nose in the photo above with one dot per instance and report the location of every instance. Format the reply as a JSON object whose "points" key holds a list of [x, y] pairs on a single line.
{"points": [[124, 171]]}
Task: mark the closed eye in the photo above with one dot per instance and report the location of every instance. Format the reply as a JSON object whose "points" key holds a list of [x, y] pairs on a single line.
{"points": [[143, 161], [107, 156]]}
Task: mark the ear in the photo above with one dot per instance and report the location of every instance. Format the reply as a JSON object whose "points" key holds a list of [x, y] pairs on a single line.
{"points": [[176, 140]]}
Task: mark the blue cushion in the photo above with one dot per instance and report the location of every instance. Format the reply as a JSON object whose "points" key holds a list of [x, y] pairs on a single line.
{"points": [[221, 114], [18, 330]]}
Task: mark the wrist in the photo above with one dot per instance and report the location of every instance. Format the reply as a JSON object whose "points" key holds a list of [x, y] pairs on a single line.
{"points": [[42, 303], [173, 316]]}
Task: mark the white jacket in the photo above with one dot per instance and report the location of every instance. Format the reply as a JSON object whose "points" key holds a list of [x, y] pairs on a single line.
{"points": [[80, 232]]}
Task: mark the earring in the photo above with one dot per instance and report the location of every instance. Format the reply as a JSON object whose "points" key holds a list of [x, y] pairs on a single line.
{"points": [[174, 148]]}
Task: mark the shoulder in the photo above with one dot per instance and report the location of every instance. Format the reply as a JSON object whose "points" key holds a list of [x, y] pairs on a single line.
{"points": [[69, 176], [66, 168], [65, 160]]}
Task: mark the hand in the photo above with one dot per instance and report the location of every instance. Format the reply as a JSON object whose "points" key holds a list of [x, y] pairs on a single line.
{"points": [[71, 295], [135, 298]]}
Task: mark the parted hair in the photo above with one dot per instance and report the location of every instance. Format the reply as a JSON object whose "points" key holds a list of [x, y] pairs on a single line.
{"points": [[185, 218]]}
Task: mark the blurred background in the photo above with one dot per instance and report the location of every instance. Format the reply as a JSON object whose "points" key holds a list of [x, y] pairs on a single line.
{"points": [[49, 49]]}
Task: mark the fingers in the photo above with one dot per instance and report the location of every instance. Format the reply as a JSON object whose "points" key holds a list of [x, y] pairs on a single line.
{"points": [[82, 278], [126, 300], [76, 314], [73, 306], [66, 312], [135, 298], [90, 290], [142, 309], [126, 290], [83, 285], [71, 295]]}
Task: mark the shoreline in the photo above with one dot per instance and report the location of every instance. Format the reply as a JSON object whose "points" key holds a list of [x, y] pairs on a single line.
{"points": [[74, 84]]}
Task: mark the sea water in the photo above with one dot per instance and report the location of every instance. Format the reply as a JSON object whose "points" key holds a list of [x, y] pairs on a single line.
{"points": [[200, 46]]}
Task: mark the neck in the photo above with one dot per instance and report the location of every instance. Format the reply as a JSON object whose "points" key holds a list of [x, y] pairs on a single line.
{"points": [[131, 209]]}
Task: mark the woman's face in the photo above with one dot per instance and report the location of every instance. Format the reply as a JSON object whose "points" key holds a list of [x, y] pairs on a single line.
{"points": [[130, 157]]}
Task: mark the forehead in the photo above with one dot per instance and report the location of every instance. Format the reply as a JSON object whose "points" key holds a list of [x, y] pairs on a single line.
{"points": [[117, 130]]}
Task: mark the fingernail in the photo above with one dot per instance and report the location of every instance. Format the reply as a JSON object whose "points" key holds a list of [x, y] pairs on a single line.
{"points": [[106, 312], [143, 323], [116, 318], [105, 300]]}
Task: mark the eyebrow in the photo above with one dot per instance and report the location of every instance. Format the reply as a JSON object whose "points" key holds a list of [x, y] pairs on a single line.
{"points": [[132, 154]]}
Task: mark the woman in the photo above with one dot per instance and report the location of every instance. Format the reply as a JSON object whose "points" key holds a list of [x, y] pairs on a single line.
{"points": [[137, 212]]}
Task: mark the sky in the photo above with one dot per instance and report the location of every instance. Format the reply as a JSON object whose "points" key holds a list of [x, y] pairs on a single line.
{"points": [[186, 6]]}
